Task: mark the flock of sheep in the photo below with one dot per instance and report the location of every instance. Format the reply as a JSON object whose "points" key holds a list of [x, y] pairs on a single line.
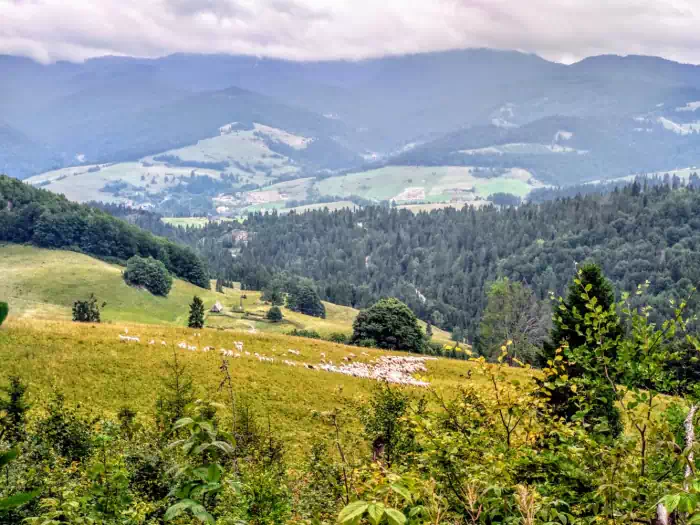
{"points": [[392, 369]]}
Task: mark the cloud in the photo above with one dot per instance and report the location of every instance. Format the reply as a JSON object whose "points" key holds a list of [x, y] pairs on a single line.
{"points": [[566, 30]]}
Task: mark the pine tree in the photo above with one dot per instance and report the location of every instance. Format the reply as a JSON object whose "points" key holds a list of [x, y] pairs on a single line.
{"points": [[196, 319], [429, 330]]}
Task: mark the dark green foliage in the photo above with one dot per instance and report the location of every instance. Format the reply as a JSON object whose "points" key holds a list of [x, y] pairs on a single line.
{"points": [[14, 408], [196, 317], [338, 337], [390, 324], [564, 328], [303, 298], [273, 293], [451, 256], [4, 311], [65, 431], [31, 215], [302, 332], [591, 278], [149, 273], [274, 314], [87, 311]]}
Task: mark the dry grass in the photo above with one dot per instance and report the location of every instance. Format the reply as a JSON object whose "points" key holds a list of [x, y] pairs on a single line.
{"points": [[93, 368]]}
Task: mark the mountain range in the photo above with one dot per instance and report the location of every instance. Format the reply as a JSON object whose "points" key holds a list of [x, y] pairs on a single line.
{"points": [[603, 117]]}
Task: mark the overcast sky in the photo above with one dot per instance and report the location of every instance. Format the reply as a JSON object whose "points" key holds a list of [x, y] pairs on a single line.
{"points": [[562, 30]]}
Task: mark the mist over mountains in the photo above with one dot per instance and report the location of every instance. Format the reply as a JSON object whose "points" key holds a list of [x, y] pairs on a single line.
{"points": [[603, 117]]}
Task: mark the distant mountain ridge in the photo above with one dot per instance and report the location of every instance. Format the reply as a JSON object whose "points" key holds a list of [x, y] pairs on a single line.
{"points": [[120, 109]]}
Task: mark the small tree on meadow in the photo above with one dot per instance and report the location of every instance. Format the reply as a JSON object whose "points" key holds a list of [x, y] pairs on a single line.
{"points": [[196, 318], [87, 311], [274, 314], [14, 408], [390, 324], [4, 310]]}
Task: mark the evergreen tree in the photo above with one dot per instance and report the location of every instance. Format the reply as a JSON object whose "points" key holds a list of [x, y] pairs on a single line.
{"points": [[15, 407], [429, 330], [304, 298], [274, 314], [566, 329], [4, 311], [196, 318]]}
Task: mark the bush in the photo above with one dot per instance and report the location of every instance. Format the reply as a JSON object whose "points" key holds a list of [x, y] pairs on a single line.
{"points": [[65, 431], [149, 273], [311, 334], [4, 310], [274, 314], [391, 324], [87, 311], [338, 337]]}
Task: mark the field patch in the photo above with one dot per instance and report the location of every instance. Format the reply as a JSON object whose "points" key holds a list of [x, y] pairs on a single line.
{"points": [[429, 184]]}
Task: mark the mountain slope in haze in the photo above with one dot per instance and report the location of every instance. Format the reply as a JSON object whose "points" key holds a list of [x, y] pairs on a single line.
{"points": [[121, 109]]}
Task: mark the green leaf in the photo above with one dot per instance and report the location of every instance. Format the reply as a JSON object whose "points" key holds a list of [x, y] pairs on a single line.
{"points": [[375, 513], [175, 510], [671, 502], [182, 423], [694, 520], [395, 517], [352, 511], [17, 500], [403, 491], [7, 457]]}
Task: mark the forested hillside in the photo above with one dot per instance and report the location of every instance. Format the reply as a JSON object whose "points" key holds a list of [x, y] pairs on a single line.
{"points": [[30, 215], [445, 260]]}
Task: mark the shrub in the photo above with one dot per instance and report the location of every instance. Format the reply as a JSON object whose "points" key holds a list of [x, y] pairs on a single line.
{"points": [[338, 337], [274, 314], [149, 273], [87, 311], [311, 334], [391, 324], [4, 310], [65, 431]]}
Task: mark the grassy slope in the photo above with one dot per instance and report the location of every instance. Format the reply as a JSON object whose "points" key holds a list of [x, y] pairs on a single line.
{"points": [[43, 284], [92, 367]]}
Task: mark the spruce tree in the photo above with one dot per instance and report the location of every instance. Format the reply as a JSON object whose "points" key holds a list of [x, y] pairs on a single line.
{"points": [[564, 331], [4, 310], [196, 319]]}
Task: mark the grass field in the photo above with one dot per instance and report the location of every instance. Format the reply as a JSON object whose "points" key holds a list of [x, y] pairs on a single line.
{"points": [[192, 222], [43, 284], [433, 184], [92, 367]]}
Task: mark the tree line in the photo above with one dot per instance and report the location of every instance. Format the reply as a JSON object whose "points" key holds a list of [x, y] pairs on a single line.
{"points": [[39, 217]]}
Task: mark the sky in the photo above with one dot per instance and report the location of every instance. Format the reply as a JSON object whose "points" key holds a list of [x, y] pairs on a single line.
{"points": [[559, 30]]}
